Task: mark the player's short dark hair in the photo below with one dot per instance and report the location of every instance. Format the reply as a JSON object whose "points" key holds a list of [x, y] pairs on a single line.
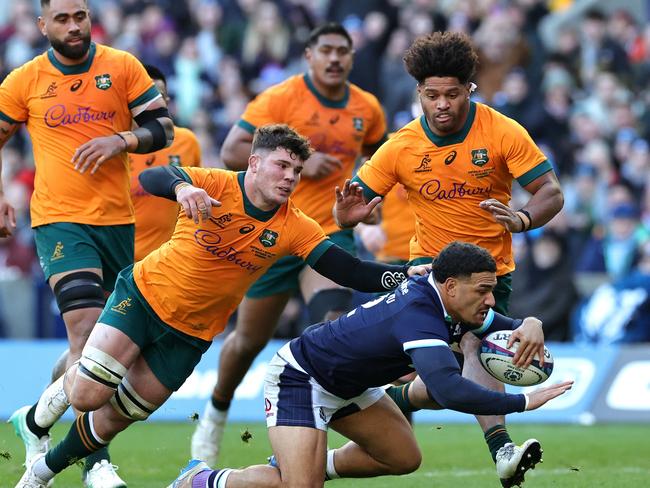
{"points": [[273, 136], [154, 73], [328, 28], [46, 3], [460, 260], [442, 54]]}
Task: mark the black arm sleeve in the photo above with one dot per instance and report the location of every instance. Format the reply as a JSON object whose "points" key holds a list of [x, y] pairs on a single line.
{"points": [[368, 276], [440, 372], [161, 181]]}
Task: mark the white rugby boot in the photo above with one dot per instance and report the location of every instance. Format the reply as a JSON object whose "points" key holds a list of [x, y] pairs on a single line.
{"points": [[207, 436], [513, 461]]}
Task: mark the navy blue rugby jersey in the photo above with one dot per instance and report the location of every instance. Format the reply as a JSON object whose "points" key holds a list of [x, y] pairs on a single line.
{"points": [[368, 346]]}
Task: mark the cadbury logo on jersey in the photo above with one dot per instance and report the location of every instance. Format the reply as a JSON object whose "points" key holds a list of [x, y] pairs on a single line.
{"points": [[211, 242], [57, 115], [432, 190]]}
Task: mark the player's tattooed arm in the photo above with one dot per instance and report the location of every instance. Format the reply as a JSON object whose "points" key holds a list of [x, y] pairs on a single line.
{"points": [[7, 213]]}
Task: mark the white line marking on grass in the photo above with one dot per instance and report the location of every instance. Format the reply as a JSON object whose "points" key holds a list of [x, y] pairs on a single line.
{"points": [[460, 473]]}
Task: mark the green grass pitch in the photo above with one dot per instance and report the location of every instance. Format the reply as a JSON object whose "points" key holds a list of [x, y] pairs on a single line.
{"points": [[150, 455]]}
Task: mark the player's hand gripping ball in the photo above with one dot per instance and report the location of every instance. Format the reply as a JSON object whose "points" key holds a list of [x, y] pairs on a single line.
{"points": [[497, 360]]}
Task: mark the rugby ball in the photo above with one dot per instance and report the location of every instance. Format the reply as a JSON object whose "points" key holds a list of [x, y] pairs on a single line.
{"points": [[496, 358]]}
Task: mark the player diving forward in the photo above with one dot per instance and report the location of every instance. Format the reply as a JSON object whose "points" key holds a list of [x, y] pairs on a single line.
{"points": [[332, 376]]}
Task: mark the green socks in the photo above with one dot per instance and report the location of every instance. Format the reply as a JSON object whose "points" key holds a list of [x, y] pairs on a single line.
{"points": [[77, 444], [496, 437], [400, 396]]}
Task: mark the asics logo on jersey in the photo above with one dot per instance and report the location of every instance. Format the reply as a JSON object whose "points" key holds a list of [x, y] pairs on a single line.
{"points": [[432, 190], [424, 165], [57, 115], [77, 84], [210, 241], [450, 158], [245, 229]]}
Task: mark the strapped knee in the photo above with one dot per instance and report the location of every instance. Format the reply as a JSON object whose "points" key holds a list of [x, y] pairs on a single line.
{"points": [[129, 404], [81, 289], [330, 300], [100, 367]]}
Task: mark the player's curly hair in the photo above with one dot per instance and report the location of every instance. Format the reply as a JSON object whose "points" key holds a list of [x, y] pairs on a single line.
{"points": [[461, 259], [273, 136], [442, 54]]}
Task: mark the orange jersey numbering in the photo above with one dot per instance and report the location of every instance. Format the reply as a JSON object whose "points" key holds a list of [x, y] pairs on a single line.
{"points": [[447, 177], [64, 107], [155, 218], [338, 128], [196, 280]]}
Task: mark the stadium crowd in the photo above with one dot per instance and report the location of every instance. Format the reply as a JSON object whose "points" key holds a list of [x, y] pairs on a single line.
{"points": [[574, 73]]}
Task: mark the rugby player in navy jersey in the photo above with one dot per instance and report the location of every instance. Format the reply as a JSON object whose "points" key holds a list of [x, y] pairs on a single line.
{"points": [[332, 376]]}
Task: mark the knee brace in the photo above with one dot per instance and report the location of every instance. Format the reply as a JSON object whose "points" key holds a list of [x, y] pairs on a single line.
{"points": [[100, 367], [332, 299], [129, 404], [82, 289]]}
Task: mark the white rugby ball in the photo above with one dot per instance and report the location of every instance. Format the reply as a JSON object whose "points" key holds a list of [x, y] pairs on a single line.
{"points": [[496, 358]]}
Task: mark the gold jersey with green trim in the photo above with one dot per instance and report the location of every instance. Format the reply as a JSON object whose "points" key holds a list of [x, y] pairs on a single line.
{"points": [[339, 128], [447, 177], [65, 106], [195, 281]]}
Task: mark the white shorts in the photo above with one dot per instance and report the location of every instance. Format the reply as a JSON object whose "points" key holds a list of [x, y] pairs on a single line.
{"points": [[292, 397]]}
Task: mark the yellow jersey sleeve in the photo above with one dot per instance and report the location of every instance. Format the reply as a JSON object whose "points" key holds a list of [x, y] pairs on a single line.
{"points": [[379, 174], [13, 105], [306, 235], [520, 151], [140, 88], [212, 180], [266, 108]]}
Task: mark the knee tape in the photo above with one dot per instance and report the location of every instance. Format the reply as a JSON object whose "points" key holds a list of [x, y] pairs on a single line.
{"points": [[100, 367], [323, 301], [82, 289], [129, 404]]}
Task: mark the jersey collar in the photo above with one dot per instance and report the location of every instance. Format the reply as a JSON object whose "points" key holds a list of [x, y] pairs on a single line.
{"points": [[250, 209], [327, 102], [454, 138], [432, 282], [75, 69]]}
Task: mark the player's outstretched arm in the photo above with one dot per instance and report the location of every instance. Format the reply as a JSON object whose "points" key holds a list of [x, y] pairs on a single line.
{"points": [[7, 213], [351, 207], [168, 182], [368, 276], [542, 395]]}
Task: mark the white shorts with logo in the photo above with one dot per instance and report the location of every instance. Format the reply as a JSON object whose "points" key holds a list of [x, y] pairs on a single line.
{"points": [[293, 398]]}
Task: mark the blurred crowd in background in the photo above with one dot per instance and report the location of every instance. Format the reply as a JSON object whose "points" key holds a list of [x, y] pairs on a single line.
{"points": [[574, 73]]}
